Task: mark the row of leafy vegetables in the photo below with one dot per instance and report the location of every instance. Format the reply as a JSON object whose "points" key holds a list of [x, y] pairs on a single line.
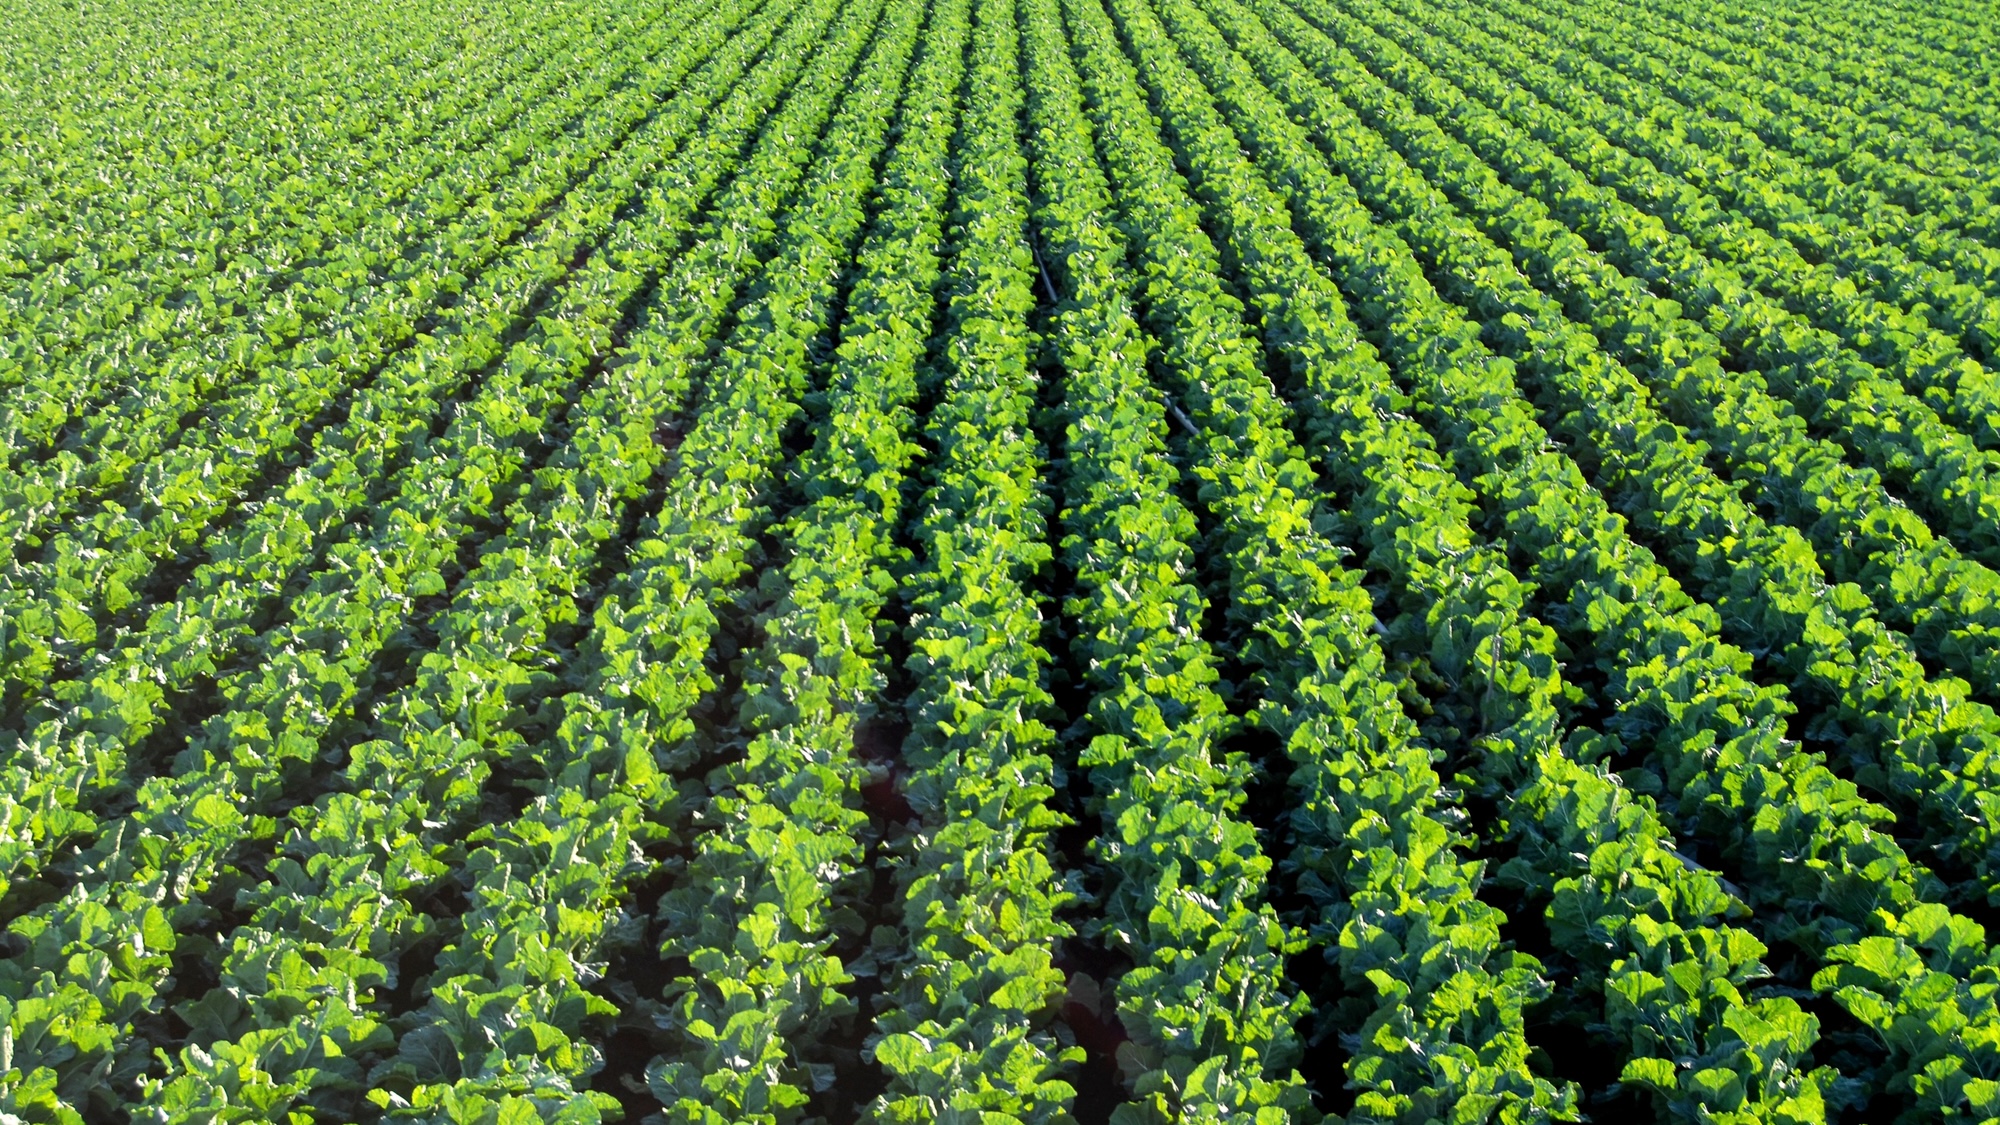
{"points": [[1000, 560]]}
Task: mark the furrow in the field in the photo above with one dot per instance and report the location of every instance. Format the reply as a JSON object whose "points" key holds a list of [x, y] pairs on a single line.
{"points": [[972, 977], [148, 372], [1055, 139], [425, 778], [1203, 1019], [1941, 472], [774, 933], [1571, 825], [1800, 842], [1917, 582], [1759, 212], [166, 250], [99, 573], [242, 1029]]}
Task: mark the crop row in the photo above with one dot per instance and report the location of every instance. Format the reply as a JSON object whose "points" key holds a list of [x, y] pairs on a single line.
{"points": [[278, 712], [270, 573], [165, 205], [1433, 227], [923, 560], [163, 485]]}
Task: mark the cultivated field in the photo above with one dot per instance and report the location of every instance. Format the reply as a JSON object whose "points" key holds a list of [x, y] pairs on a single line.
{"points": [[999, 561]]}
